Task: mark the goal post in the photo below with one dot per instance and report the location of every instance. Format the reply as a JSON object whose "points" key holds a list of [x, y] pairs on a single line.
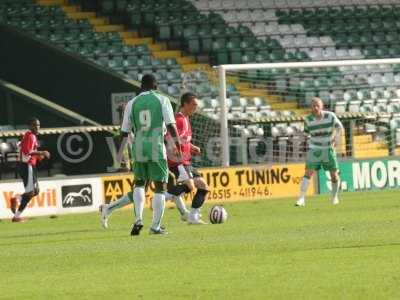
{"points": [[371, 84]]}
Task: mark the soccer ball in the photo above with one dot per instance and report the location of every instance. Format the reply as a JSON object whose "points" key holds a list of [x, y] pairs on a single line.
{"points": [[218, 214]]}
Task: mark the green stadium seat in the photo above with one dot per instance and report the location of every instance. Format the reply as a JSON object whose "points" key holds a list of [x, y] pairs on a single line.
{"points": [[171, 64], [370, 52], [135, 19], [83, 24], [86, 50], [142, 49], [120, 6], [116, 64], [289, 56], [102, 61], [130, 63], [382, 52], [248, 57], [128, 50], [379, 38], [158, 64], [276, 55], [144, 64], [100, 50], [56, 38], [260, 58], [115, 50], [193, 45], [394, 51], [174, 90], [107, 7], [164, 29], [235, 56], [70, 24], [174, 77], [221, 57], [161, 77]]}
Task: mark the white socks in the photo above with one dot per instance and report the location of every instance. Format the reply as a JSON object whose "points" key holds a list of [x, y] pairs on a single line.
{"points": [[138, 200], [183, 175], [304, 186], [158, 210], [180, 205], [121, 202], [335, 191], [169, 196]]}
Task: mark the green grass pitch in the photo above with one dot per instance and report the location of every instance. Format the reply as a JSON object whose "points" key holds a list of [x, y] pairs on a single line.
{"points": [[266, 250]]}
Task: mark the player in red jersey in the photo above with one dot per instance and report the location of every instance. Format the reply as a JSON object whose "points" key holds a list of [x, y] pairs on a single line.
{"points": [[28, 159], [183, 169]]}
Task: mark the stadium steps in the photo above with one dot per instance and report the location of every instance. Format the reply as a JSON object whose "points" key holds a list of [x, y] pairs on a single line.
{"points": [[99, 21], [81, 15], [109, 28], [138, 41], [365, 146], [130, 37], [102, 24], [370, 153], [370, 146], [167, 53], [361, 139], [50, 2], [128, 34], [274, 101], [300, 111], [159, 50], [193, 67], [283, 106], [70, 8]]}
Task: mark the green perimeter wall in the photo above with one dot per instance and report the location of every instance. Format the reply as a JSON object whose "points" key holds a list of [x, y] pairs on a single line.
{"points": [[364, 175], [56, 75]]}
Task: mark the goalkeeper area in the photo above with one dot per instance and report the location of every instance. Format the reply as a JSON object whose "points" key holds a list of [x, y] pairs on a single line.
{"points": [[259, 110], [266, 250]]}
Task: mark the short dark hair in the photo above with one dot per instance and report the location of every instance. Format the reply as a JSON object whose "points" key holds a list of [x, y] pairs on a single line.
{"points": [[31, 121], [149, 82], [187, 97]]}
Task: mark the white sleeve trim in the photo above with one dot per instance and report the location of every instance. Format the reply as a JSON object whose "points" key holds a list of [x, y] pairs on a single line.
{"points": [[166, 107], [126, 125]]}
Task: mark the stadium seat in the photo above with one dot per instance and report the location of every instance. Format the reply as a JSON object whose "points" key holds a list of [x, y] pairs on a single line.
{"points": [[9, 158]]}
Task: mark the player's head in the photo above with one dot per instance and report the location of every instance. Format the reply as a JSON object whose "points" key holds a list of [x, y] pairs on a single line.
{"points": [[33, 125], [317, 106], [189, 103], [148, 82]]}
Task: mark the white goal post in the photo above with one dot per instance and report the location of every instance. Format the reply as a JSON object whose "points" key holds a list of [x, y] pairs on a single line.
{"points": [[224, 71]]}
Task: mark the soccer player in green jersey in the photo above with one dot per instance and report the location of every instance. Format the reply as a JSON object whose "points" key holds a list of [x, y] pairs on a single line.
{"points": [[149, 115], [324, 130]]}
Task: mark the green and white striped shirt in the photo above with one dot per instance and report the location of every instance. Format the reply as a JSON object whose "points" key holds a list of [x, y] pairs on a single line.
{"points": [[147, 116], [322, 131]]}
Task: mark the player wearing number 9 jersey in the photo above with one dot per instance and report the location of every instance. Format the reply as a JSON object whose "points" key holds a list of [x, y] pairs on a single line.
{"points": [[149, 115]]}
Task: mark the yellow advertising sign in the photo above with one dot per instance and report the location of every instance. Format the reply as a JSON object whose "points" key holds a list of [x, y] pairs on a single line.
{"points": [[229, 184], [115, 186], [254, 183]]}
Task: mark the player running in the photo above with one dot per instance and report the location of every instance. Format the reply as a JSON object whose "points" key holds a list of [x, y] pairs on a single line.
{"points": [[28, 159], [149, 115], [183, 169], [325, 130]]}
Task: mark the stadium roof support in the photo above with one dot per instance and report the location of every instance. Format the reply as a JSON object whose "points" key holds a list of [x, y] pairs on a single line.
{"points": [[47, 104]]}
